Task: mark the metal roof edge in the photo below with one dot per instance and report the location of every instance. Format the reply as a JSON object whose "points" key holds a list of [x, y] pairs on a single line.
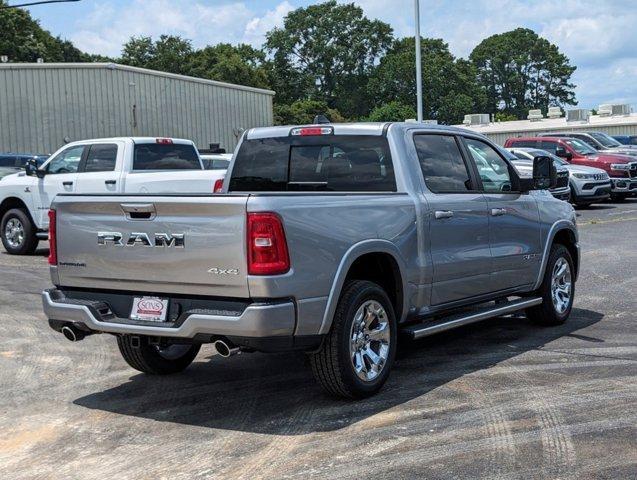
{"points": [[147, 71]]}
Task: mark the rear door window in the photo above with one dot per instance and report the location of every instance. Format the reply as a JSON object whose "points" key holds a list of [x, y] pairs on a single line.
{"points": [[161, 156], [442, 165], [336, 163], [101, 158]]}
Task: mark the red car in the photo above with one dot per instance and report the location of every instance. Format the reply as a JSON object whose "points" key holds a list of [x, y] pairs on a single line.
{"points": [[621, 169]]}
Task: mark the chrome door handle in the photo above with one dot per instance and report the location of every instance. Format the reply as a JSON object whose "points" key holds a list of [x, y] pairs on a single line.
{"points": [[497, 212], [443, 214]]}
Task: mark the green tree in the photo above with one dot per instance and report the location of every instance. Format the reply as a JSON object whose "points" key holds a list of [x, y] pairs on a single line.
{"points": [[241, 64], [169, 53], [327, 52], [505, 117], [22, 39], [521, 71], [450, 89], [302, 112], [392, 112]]}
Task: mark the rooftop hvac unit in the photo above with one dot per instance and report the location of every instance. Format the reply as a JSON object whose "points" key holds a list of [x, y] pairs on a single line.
{"points": [[605, 110], [618, 109], [555, 112], [621, 109], [477, 119], [577, 115]]}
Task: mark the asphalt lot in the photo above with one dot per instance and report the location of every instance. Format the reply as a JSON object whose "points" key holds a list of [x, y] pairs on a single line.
{"points": [[500, 399]]}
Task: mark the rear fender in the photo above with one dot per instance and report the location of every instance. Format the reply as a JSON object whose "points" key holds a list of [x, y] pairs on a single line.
{"points": [[354, 252]]}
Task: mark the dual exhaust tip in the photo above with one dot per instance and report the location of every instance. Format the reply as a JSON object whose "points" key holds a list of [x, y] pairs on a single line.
{"points": [[74, 334]]}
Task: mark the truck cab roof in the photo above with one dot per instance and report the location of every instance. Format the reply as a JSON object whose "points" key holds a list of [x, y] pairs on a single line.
{"points": [[356, 128], [137, 140]]}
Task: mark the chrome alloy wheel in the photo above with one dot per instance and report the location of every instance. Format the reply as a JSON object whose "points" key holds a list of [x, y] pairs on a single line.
{"points": [[369, 340], [561, 285], [14, 233]]}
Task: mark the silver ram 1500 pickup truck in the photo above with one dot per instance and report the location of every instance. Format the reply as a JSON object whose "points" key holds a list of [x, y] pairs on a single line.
{"points": [[332, 239]]}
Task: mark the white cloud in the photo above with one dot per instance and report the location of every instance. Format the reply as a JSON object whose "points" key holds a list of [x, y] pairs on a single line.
{"points": [[105, 30], [257, 27]]}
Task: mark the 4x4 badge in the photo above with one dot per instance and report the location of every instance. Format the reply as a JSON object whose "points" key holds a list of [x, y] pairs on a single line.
{"points": [[223, 271]]}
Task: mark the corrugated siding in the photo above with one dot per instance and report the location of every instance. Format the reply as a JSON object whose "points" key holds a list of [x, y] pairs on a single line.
{"points": [[41, 107]]}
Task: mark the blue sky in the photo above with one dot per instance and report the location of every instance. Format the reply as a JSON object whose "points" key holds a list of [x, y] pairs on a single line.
{"points": [[600, 37]]}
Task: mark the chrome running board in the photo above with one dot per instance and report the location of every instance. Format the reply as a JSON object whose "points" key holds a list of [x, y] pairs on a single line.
{"points": [[458, 320]]}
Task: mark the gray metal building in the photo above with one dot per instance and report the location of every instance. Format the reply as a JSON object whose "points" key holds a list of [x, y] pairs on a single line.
{"points": [[42, 105]]}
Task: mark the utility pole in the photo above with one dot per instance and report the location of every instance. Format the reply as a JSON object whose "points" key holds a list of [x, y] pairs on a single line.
{"points": [[418, 62]]}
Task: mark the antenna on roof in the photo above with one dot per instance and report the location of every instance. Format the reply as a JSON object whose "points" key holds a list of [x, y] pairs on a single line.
{"points": [[320, 119]]}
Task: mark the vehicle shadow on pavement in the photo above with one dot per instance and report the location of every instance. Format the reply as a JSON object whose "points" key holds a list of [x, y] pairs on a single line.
{"points": [[275, 394]]}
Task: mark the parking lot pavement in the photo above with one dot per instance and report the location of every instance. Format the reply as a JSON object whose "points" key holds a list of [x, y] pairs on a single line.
{"points": [[501, 399]]}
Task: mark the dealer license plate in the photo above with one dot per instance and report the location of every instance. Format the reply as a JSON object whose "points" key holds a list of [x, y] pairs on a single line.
{"points": [[149, 309]]}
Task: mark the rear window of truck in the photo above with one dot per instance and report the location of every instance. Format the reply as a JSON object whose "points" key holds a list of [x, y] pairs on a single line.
{"points": [[331, 163], [157, 156]]}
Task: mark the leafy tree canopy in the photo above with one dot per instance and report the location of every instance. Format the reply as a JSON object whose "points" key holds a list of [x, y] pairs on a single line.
{"points": [[450, 89], [327, 52], [169, 53], [241, 64], [302, 112], [392, 112], [23, 40], [521, 71]]}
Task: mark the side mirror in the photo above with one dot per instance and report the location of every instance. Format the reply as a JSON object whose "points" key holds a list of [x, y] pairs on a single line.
{"points": [[544, 173], [31, 167]]}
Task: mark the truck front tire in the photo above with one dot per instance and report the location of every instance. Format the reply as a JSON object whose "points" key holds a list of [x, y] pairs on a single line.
{"points": [[18, 232], [356, 357], [153, 359], [557, 289]]}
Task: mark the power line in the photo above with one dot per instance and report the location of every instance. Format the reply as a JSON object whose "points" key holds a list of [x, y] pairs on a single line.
{"points": [[36, 3]]}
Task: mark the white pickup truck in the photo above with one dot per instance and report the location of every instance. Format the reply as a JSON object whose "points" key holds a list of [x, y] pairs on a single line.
{"points": [[128, 165]]}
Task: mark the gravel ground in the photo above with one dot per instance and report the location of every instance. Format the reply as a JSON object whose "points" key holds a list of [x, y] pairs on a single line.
{"points": [[500, 399]]}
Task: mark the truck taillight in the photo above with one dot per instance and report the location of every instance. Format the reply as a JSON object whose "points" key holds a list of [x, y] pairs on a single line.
{"points": [[53, 248], [164, 141], [267, 247], [218, 186]]}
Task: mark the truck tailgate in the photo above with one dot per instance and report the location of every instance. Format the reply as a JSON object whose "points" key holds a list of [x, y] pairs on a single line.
{"points": [[157, 244]]}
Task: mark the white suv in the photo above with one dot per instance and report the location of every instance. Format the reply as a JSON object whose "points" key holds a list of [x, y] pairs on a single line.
{"points": [[588, 184]]}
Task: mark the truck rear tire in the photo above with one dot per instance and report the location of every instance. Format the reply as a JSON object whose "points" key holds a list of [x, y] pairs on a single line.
{"points": [[557, 289], [18, 232], [356, 357], [149, 358]]}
